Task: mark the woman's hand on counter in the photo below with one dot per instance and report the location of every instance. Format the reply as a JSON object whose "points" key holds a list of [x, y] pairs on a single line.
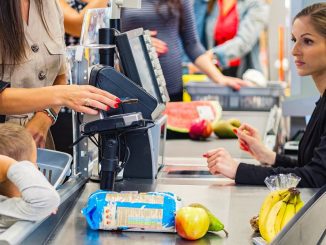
{"points": [[234, 82], [205, 63], [250, 141], [219, 161], [85, 98]]}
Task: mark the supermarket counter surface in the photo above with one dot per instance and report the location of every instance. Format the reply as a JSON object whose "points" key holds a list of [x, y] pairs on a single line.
{"points": [[234, 205], [180, 148]]}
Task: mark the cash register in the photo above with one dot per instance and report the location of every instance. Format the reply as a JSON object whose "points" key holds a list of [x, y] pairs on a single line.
{"points": [[131, 138]]}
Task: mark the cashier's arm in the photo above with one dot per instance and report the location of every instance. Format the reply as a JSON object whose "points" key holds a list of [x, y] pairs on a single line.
{"points": [[60, 80]]}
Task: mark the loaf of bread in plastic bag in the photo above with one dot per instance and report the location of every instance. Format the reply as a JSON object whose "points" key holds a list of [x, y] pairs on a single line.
{"points": [[151, 211]]}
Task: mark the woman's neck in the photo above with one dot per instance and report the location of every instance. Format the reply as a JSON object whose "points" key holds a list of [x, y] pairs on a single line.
{"points": [[25, 10], [320, 81]]}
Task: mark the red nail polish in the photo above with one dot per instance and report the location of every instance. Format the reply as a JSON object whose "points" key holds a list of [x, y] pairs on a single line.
{"points": [[107, 108], [235, 131], [204, 155], [118, 100], [116, 105]]}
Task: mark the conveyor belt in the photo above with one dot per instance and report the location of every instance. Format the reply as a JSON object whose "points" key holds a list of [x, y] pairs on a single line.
{"points": [[233, 205]]}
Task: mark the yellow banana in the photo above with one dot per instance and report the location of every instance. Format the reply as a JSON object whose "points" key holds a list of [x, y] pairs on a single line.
{"points": [[267, 230], [268, 203], [280, 214], [289, 211], [299, 204], [215, 224]]}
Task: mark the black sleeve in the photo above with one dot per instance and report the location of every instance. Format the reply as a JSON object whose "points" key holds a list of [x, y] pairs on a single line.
{"points": [[313, 174], [285, 161], [3, 85]]}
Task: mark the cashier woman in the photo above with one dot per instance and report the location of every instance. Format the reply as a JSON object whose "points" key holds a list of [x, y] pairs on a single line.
{"points": [[309, 52], [32, 56]]}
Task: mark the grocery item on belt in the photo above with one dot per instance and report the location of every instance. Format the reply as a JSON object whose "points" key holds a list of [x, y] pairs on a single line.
{"points": [[151, 211], [279, 206]]}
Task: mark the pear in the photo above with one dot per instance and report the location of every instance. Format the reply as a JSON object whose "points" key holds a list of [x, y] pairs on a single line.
{"points": [[235, 122], [215, 224], [224, 129]]}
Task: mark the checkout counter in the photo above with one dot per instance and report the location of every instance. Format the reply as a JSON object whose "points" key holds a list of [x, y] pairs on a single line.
{"points": [[159, 165]]}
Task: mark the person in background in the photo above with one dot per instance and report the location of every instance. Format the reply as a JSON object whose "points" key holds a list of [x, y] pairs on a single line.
{"points": [[25, 194], [73, 13], [200, 11], [309, 52], [233, 28], [32, 56], [172, 23]]}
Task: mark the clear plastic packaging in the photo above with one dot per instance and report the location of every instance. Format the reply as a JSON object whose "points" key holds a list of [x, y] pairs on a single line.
{"points": [[130, 211], [282, 181]]}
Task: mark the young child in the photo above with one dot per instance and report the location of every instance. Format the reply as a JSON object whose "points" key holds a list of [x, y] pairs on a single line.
{"points": [[25, 194]]}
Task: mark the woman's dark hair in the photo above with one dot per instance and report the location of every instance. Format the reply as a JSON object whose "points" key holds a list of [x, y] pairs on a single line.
{"points": [[317, 14], [174, 9], [12, 37]]}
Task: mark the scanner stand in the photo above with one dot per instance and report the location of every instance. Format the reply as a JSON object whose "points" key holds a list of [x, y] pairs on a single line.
{"points": [[113, 132]]}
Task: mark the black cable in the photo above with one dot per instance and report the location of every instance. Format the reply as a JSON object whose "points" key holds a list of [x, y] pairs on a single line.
{"points": [[93, 139]]}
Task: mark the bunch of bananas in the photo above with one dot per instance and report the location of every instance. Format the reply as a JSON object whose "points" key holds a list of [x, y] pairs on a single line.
{"points": [[277, 210]]}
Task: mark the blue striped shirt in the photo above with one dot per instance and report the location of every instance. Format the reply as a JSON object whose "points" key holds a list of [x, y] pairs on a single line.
{"points": [[169, 31]]}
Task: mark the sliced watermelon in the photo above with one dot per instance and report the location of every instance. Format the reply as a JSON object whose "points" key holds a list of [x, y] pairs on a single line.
{"points": [[182, 114]]}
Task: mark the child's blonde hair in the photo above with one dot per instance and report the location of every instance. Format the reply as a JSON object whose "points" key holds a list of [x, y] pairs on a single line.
{"points": [[16, 142]]}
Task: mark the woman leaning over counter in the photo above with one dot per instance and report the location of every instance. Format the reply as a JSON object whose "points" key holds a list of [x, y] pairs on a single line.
{"points": [[32, 56]]}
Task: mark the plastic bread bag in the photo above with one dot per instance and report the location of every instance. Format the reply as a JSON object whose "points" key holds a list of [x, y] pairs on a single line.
{"points": [[151, 211]]}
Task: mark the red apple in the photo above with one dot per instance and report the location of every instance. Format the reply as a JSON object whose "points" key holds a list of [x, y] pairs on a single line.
{"points": [[191, 223], [200, 129]]}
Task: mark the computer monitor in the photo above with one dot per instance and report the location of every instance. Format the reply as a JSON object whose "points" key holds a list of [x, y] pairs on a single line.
{"points": [[140, 63]]}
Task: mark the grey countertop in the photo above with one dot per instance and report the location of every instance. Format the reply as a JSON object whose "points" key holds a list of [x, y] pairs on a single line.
{"points": [[233, 205]]}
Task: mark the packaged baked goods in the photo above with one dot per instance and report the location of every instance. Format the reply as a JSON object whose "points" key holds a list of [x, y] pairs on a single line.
{"points": [[150, 211]]}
